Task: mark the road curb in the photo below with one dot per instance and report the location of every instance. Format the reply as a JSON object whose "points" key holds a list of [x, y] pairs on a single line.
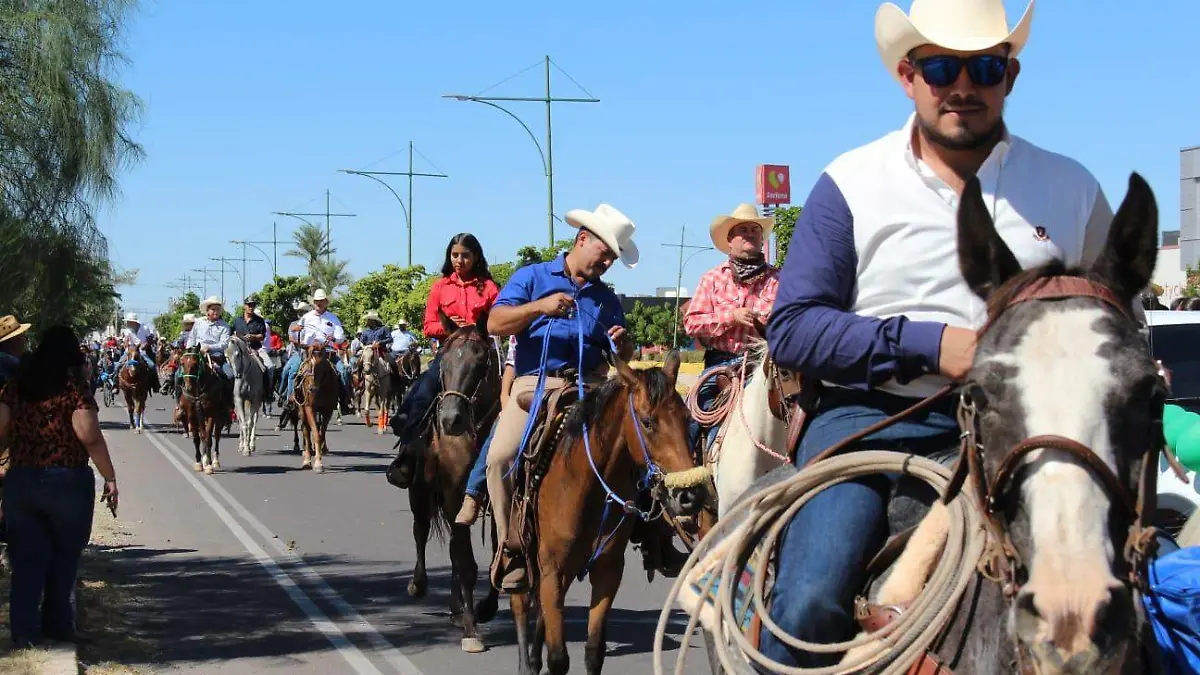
{"points": [[62, 659]]}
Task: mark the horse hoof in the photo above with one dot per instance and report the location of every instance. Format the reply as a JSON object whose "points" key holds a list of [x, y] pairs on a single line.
{"points": [[216, 465], [379, 432], [416, 590], [473, 645], [198, 467], [318, 468], [208, 470]]}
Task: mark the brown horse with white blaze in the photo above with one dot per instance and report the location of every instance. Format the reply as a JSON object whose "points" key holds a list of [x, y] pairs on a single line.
{"points": [[206, 402], [315, 397], [630, 430], [134, 381]]}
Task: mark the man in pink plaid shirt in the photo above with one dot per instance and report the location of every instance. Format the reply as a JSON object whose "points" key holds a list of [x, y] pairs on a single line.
{"points": [[733, 299]]}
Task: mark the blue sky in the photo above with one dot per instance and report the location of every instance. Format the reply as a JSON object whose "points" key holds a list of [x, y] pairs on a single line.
{"points": [[251, 106]]}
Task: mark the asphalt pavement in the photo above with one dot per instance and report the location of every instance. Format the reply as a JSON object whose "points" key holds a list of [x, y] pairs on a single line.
{"points": [[264, 568]]}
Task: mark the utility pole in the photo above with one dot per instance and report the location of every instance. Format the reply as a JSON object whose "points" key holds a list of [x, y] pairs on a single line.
{"points": [[328, 216], [548, 99], [679, 279], [227, 261], [204, 271], [410, 173]]}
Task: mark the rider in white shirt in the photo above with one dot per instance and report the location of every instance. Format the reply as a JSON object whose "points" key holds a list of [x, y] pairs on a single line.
{"points": [[402, 340], [210, 334], [134, 334], [320, 326]]}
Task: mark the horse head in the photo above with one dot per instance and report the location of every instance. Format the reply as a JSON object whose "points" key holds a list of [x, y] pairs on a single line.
{"points": [[190, 367], [654, 429], [470, 391], [1067, 407]]}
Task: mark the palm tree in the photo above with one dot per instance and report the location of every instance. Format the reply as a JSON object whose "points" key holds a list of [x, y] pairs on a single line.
{"points": [[63, 137], [311, 246], [331, 275]]}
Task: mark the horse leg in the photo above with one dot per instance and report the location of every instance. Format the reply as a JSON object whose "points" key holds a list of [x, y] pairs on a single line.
{"points": [[418, 503], [308, 426], [322, 442], [519, 604], [467, 572], [129, 407], [605, 579], [216, 447], [252, 419], [551, 599], [196, 426], [485, 611], [539, 639], [209, 424]]}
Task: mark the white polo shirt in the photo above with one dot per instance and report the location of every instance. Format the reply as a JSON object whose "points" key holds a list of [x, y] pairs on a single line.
{"points": [[872, 275]]}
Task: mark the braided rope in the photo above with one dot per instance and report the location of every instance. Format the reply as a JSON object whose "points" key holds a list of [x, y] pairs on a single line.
{"points": [[757, 521]]}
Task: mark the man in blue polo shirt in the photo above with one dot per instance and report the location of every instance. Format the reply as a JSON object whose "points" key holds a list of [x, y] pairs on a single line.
{"points": [[547, 301]]}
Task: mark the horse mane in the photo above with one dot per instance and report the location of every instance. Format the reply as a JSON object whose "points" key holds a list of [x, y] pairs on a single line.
{"points": [[591, 409], [999, 300]]}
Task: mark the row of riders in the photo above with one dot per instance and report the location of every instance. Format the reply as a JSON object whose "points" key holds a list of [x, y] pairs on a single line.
{"points": [[903, 304]]}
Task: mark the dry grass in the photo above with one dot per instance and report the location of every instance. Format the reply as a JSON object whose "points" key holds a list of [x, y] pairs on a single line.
{"points": [[103, 607]]}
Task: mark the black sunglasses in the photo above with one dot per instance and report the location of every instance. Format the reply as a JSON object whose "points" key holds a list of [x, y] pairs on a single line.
{"points": [[985, 70]]}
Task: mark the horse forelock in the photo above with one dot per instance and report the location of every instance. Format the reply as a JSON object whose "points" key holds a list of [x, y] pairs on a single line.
{"points": [[590, 410], [1072, 368]]}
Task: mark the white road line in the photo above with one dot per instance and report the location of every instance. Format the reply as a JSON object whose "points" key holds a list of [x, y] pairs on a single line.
{"points": [[385, 649], [359, 662]]}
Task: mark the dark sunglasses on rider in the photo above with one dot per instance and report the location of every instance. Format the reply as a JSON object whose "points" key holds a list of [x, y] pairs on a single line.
{"points": [[985, 70]]}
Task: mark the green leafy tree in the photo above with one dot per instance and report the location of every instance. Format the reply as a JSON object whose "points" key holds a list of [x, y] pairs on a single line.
{"points": [[169, 324], [63, 138], [395, 292], [653, 325], [277, 299], [785, 224]]}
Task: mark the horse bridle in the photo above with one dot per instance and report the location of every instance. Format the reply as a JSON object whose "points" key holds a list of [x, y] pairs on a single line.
{"points": [[471, 336], [1001, 561]]}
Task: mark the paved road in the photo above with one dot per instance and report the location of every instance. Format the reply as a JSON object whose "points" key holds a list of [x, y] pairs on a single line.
{"points": [[263, 568]]}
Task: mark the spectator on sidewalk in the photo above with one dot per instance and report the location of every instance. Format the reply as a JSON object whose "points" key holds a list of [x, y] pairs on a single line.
{"points": [[48, 422]]}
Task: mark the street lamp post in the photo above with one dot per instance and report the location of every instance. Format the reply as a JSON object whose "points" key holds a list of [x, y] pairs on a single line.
{"points": [[410, 173], [548, 155], [253, 244], [679, 278], [303, 217]]}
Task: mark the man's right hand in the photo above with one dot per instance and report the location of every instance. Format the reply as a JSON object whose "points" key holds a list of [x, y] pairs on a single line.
{"points": [[744, 316], [957, 352], [557, 305]]}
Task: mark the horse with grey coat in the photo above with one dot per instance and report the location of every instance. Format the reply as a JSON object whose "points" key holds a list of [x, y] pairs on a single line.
{"points": [[248, 391]]}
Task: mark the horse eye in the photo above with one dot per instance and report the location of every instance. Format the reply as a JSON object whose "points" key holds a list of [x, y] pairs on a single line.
{"points": [[648, 422]]}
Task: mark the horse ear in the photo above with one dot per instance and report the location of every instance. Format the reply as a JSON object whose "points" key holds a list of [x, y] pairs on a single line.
{"points": [[1127, 263], [449, 325], [985, 260], [481, 323], [626, 372], [671, 367]]}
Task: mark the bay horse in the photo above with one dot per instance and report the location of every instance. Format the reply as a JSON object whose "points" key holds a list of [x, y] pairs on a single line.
{"points": [[377, 386], [406, 368], [461, 417], [315, 398], [632, 429], [1062, 421], [206, 403], [249, 379], [134, 381]]}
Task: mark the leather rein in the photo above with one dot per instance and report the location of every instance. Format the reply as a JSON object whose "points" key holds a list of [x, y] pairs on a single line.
{"points": [[1001, 561], [472, 398]]}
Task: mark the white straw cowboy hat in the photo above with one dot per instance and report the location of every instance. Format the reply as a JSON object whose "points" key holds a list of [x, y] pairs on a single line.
{"points": [[302, 306], [132, 316], [613, 227], [961, 25], [744, 213], [372, 314], [210, 300], [188, 318], [320, 295], [10, 327]]}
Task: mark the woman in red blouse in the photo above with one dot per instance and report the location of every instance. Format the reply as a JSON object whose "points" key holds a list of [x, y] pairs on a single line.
{"points": [[464, 293], [48, 423]]}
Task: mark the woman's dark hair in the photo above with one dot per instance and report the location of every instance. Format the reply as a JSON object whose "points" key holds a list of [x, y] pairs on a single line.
{"points": [[51, 367], [468, 241]]}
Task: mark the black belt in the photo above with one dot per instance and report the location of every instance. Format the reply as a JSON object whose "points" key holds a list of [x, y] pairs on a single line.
{"points": [[568, 374]]}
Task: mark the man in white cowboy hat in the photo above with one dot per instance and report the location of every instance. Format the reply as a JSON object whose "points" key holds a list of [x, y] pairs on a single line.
{"points": [[569, 289], [871, 300], [402, 340], [185, 329], [733, 299], [210, 334], [321, 326], [12, 346], [136, 335]]}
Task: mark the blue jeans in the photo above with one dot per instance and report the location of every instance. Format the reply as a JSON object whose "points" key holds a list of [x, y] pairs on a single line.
{"points": [[49, 520], [819, 575], [477, 481], [343, 371], [288, 380], [708, 392], [418, 400]]}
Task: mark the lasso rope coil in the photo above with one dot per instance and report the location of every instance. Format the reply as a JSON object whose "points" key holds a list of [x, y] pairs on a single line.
{"points": [[758, 520]]}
